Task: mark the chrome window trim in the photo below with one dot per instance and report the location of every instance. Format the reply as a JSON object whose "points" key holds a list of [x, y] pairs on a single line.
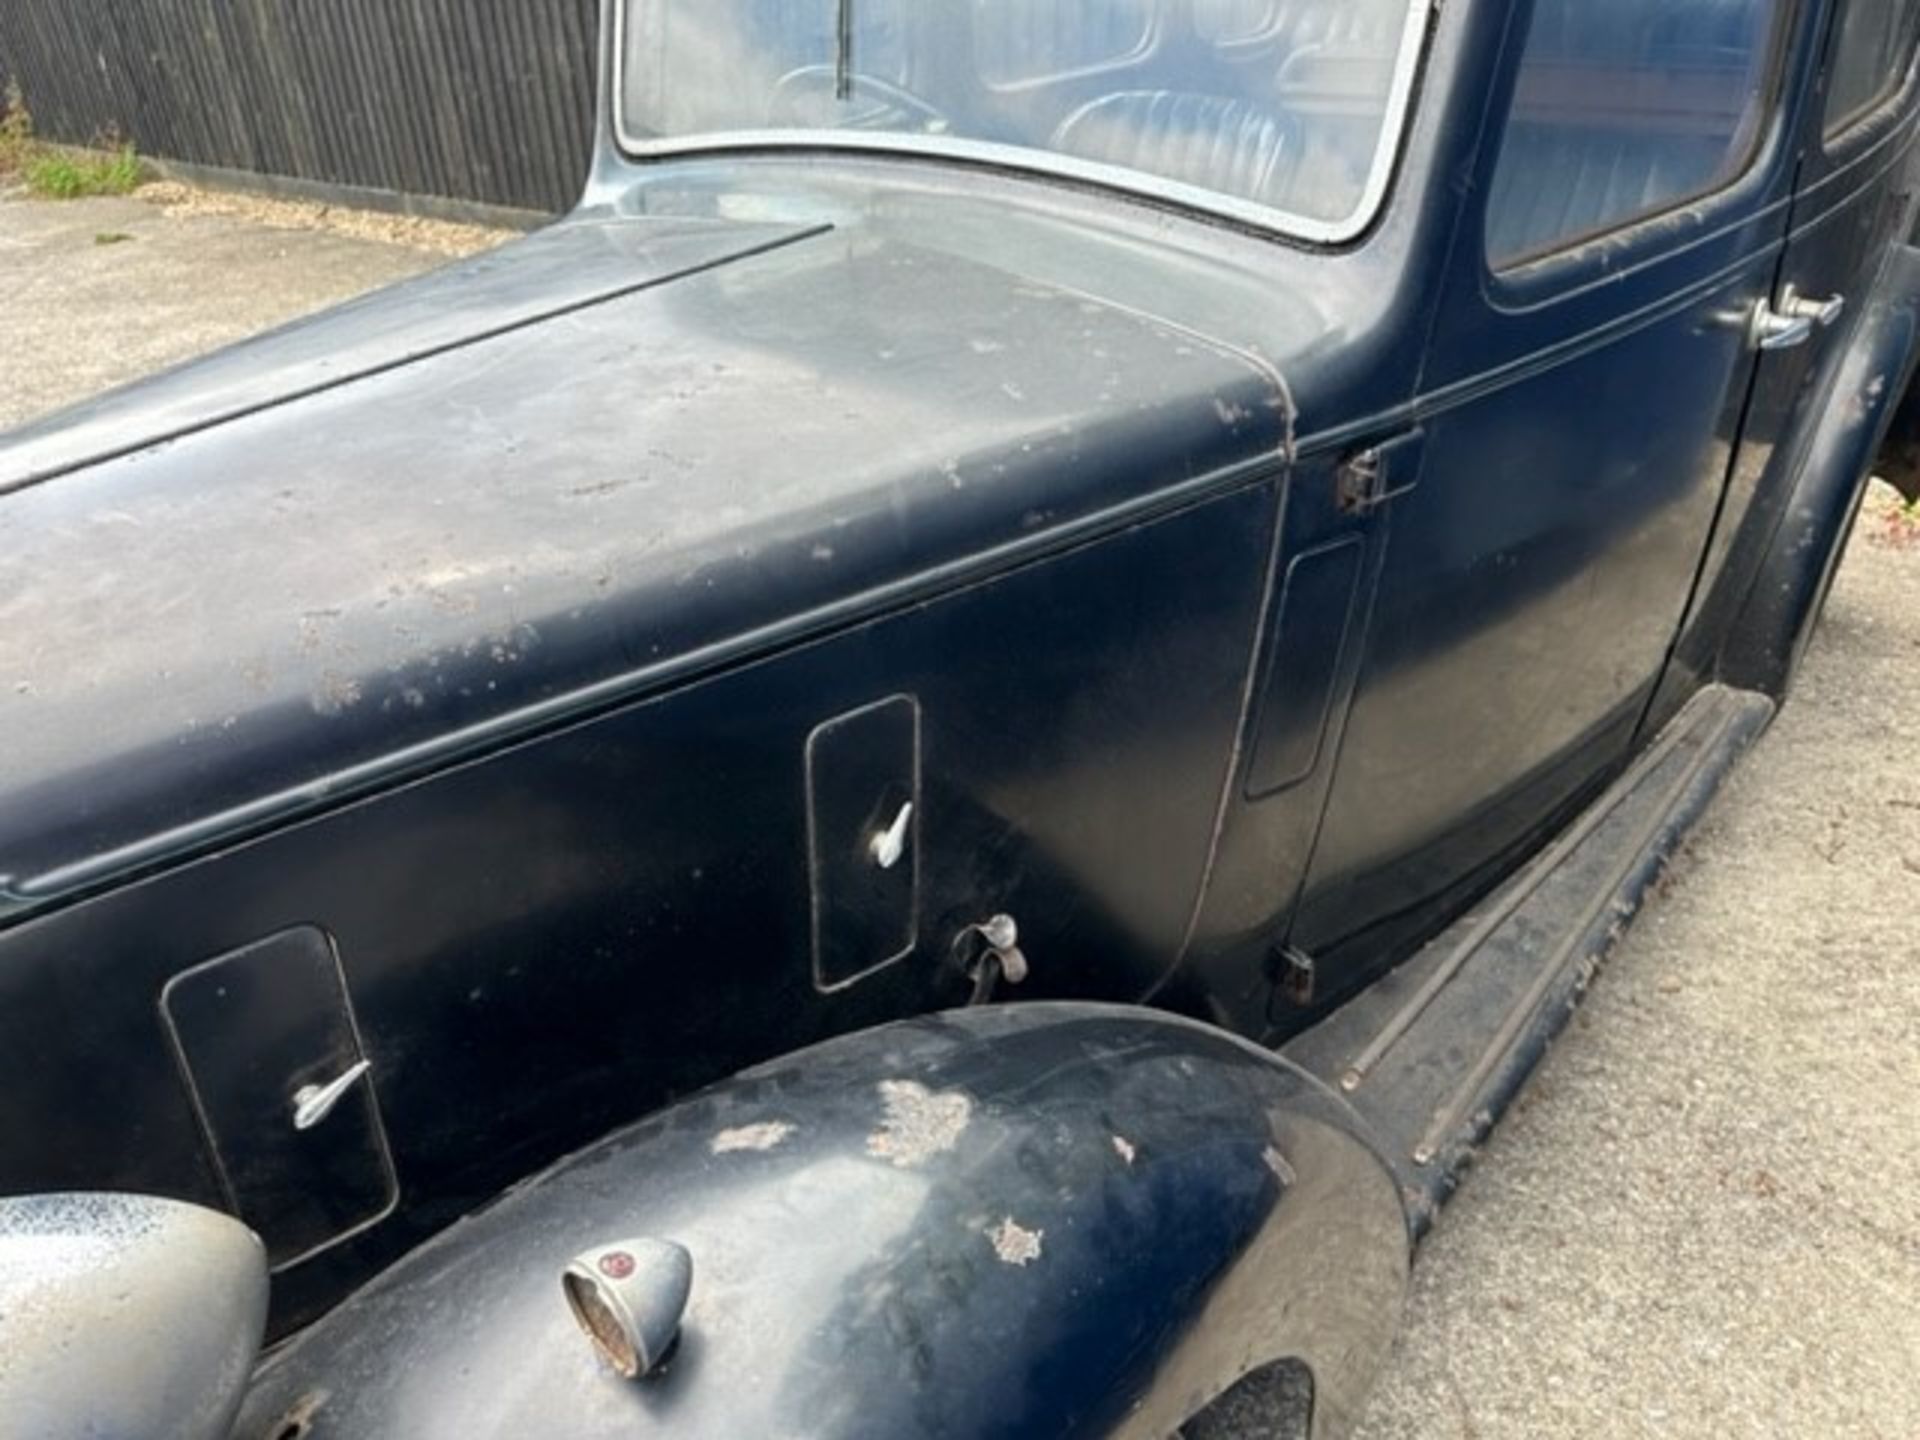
{"points": [[1044, 164]]}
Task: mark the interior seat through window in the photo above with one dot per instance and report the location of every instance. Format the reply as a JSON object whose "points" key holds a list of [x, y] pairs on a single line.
{"points": [[1232, 146], [1623, 110]]}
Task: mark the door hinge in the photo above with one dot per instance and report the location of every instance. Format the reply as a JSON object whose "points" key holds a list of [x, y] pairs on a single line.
{"points": [[1369, 478]]}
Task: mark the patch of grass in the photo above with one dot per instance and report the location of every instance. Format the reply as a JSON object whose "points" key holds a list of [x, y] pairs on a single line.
{"points": [[112, 237], [74, 174], [111, 167]]}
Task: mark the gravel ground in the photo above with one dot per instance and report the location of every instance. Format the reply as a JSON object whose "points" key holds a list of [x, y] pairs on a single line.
{"points": [[1702, 1220]]}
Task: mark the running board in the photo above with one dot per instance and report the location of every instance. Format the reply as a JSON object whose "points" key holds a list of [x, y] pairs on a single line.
{"points": [[1432, 1054]]}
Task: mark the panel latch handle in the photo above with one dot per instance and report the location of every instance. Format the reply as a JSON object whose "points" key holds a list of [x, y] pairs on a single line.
{"points": [[888, 845], [313, 1103]]}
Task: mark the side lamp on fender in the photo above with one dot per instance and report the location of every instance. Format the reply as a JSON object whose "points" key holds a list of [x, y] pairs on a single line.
{"points": [[629, 1298]]}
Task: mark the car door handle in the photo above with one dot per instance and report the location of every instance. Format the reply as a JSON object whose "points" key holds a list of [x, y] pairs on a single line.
{"points": [[1771, 330], [1794, 322], [1823, 313]]}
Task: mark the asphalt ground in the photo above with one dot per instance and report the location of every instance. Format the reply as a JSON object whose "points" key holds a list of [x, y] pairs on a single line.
{"points": [[1703, 1218]]}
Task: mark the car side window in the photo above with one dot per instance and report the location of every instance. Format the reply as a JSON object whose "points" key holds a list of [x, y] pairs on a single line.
{"points": [[1624, 110], [1871, 52]]}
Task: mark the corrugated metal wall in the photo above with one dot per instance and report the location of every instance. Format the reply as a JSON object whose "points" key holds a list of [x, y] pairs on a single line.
{"points": [[480, 100]]}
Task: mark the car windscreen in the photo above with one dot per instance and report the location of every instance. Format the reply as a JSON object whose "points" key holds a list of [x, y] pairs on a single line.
{"points": [[1285, 112]]}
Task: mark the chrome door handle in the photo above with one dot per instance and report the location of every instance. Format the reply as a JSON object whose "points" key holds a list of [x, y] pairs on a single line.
{"points": [[1823, 313], [313, 1103], [1771, 330]]}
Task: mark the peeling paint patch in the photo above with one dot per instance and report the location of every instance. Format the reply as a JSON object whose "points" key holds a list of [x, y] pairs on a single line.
{"points": [[764, 1136], [1014, 1243], [1124, 1148], [920, 1123], [1277, 1163]]}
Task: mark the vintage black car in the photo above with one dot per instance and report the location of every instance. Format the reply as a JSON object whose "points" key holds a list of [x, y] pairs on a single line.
{"points": [[935, 764]]}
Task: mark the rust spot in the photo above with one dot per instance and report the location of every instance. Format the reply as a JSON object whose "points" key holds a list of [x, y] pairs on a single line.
{"points": [[1014, 1243]]}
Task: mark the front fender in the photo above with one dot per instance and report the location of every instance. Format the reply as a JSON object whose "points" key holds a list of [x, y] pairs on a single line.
{"points": [[1044, 1220]]}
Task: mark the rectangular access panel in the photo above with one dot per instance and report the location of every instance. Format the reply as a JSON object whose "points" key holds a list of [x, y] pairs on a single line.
{"points": [[1310, 636], [863, 839], [267, 1044]]}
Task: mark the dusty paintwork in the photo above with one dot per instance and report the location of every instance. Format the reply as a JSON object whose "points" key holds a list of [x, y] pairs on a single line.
{"points": [[557, 545]]}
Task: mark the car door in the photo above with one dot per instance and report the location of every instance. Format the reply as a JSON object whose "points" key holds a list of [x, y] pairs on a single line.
{"points": [[1853, 201], [1580, 406]]}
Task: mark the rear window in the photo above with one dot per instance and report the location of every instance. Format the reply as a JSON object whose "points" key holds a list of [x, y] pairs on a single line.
{"points": [[1624, 109], [1871, 52]]}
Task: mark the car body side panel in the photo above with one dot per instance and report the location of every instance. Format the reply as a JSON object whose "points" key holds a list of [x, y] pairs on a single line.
{"points": [[1533, 584], [1312, 652], [560, 938], [348, 589]]}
